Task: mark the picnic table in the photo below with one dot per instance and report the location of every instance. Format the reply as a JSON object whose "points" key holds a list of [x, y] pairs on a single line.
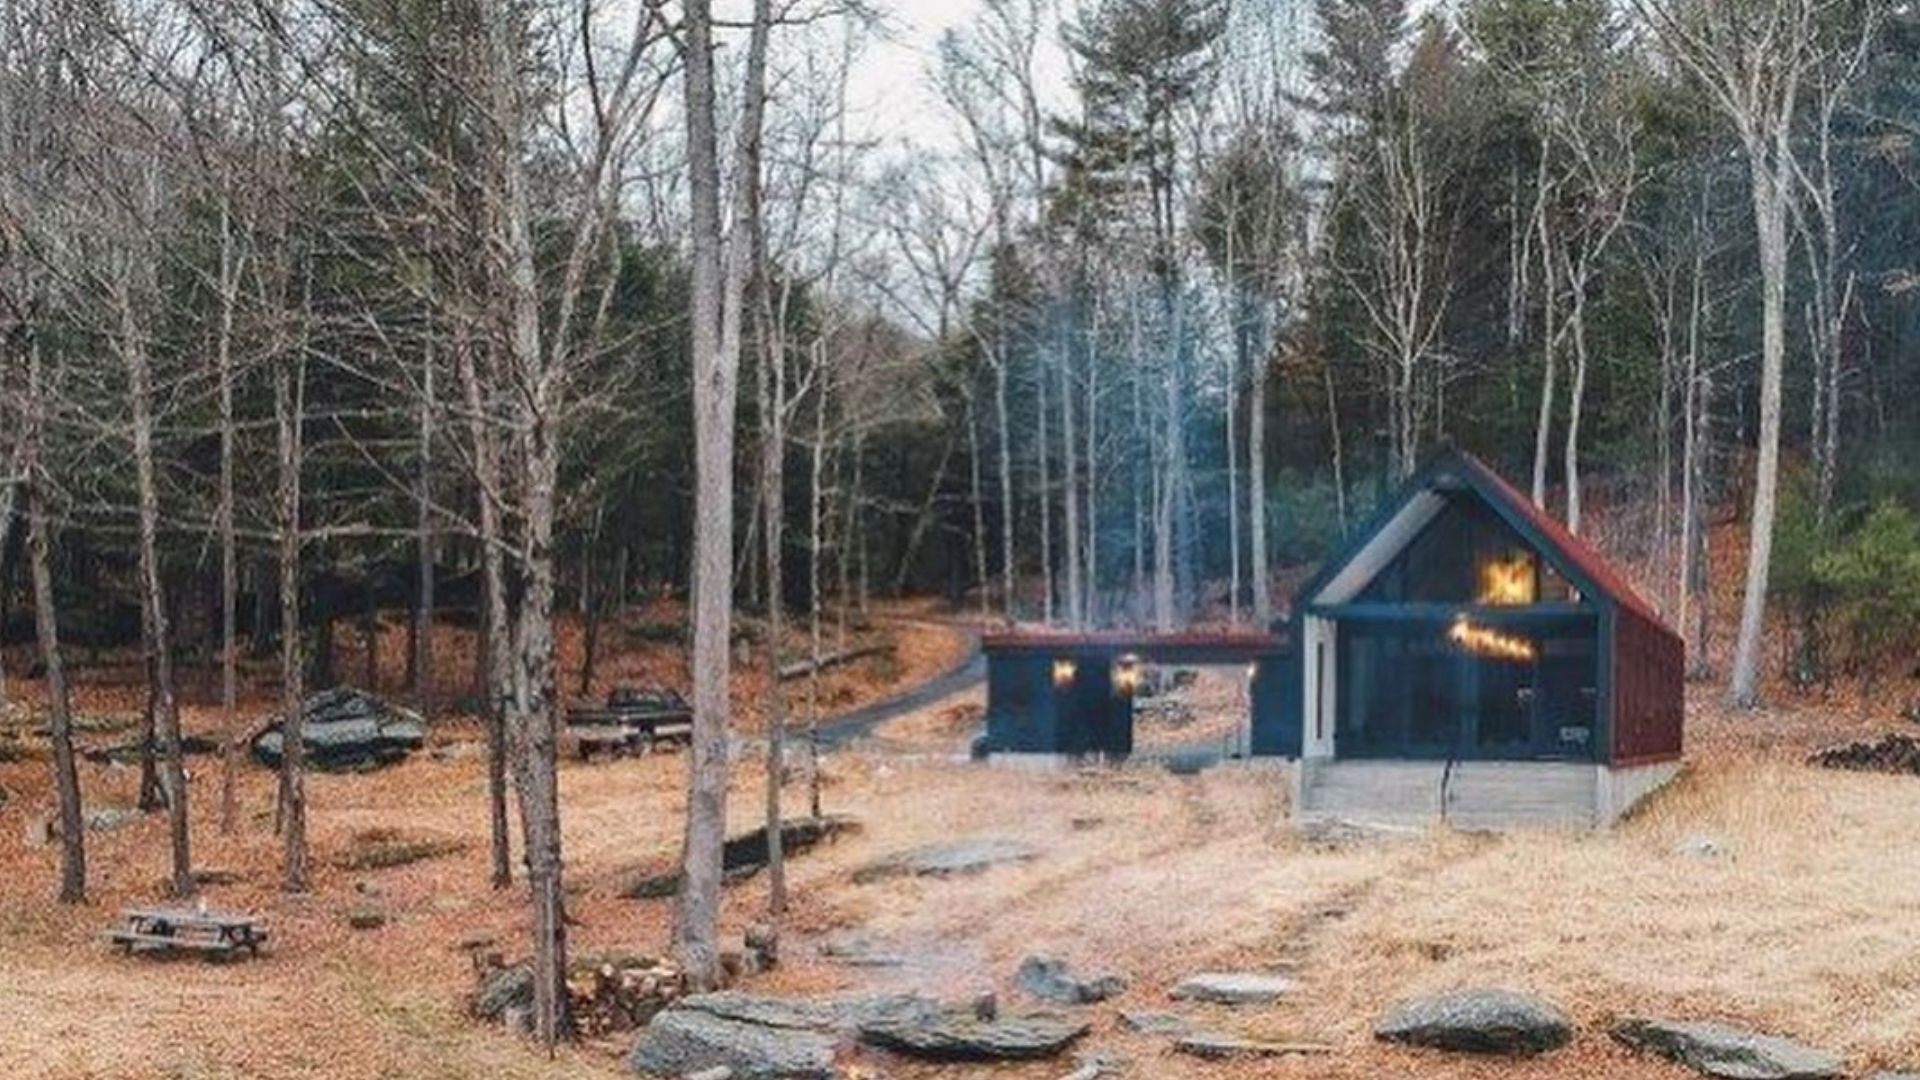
{"points": [[214, 934]]}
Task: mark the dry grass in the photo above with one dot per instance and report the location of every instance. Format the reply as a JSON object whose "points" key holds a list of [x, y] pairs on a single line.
{"points": [[1809, 926]]}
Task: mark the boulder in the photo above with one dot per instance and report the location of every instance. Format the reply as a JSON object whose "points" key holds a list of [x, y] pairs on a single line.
{"points": [[859, 950], [680, 1041], [501, 989], [1047, 978], [967, 856], [953, 1036], [1234, 988], [1728, 1052], [761, 1036], [1484, 1021], [1218, 1047], [347, 729]]}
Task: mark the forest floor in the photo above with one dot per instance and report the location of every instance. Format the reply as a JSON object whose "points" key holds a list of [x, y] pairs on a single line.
{"points": [[1807, 924]]}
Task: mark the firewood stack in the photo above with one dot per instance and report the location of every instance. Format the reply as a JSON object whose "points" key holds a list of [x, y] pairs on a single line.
{"points": [[613, 995], [1888, 754]]}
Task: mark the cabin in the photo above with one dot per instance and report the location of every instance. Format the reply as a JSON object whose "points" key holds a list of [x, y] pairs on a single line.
{"points": [[1465, 658], [1053, 694]]}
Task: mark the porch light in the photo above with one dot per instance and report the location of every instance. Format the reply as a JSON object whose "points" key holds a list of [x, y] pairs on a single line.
{"points": [[1505, 582], [1062, 672], [1484, 641], [1126, 675]]}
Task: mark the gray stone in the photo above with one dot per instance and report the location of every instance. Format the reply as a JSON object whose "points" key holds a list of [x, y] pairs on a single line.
{"points": [[1895, 1076], [1047, 978], [947, 859], [1155, 1022], [718, 1072], [678, 1041], [1728, 1052], [1234, 988], [961, 1037], [502, 989], [1218, 1047], [1482, 1021]]}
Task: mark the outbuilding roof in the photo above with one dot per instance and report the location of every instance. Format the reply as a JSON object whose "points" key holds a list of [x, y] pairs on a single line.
{"points": [[1415, 504]]}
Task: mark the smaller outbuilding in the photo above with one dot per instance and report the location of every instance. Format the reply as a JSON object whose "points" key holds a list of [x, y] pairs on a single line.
{"points": [[1071, 694]]}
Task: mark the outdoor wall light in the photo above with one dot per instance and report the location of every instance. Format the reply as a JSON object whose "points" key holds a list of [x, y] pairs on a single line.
{"points": [[1126, 676], [1062, 672]]}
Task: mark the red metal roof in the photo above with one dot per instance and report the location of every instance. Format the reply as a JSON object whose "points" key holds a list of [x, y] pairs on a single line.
{"points": [[1229, 645], [1583, 556]]}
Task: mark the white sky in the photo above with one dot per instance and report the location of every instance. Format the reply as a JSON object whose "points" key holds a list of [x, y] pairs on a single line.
{"points": [[889, 93]]}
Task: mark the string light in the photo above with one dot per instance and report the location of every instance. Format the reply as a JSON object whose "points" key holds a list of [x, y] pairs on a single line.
{"points": [[1487, 642]]}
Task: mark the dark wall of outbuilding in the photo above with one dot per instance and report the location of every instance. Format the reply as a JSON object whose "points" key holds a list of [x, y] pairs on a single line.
{"points": [[1275, 695], [1020, 713], [1648, 692]]}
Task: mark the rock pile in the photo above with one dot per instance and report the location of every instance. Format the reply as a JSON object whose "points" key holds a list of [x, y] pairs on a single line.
{"points": [[1895, 753], [346, 729]]}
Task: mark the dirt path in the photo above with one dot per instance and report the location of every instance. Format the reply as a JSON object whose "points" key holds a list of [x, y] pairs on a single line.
{"points": [[857, 723]]}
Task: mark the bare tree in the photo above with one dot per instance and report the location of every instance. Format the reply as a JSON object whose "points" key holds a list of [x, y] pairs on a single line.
{"points": [[720, 266], [1753, 59]]}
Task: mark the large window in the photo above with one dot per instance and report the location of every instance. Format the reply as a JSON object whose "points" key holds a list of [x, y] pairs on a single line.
{"points": [[1416, 689]]}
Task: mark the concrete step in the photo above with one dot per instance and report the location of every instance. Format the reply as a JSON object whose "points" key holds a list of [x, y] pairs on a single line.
{"points": [[1478, 795]]}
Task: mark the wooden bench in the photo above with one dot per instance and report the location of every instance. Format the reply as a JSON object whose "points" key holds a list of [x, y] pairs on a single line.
{"points": [[216, 935]]}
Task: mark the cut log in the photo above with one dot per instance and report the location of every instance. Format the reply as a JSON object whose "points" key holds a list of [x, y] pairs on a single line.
{"points": [[800, 669]]}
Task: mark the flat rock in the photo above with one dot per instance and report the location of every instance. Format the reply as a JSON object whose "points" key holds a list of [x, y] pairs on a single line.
{"points": [[1728, 1052], [679, 1041], [1218, 1047], [743, 856], [109, 818], [954, 1036], [842, 1014], [1481, 1021], [1156, 1022], [967, 856], [1048, 978], [1234, 988]]}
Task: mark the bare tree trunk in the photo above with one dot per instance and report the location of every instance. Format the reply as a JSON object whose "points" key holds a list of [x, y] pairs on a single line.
{"points": [[1091, 614], [1549, 342], [153, 606], [1045, 485], [288, 395], [718, 264], [423, 609], [1770, 221], [816, 464], [979, 512], [490, 654], [1070, 485], [66, 780], [224, 518], [1338, 450], [1009, 606], [1576, 401], [1236, 363], [771, 385], [1257, 490]]}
